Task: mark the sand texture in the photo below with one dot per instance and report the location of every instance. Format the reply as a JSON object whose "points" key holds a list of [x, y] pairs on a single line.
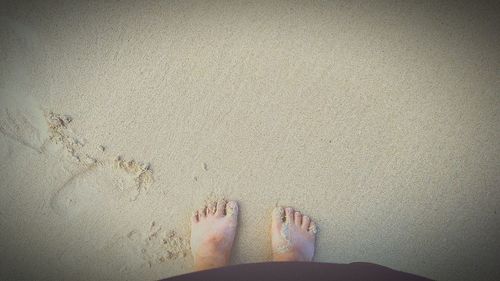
{"points": [[379, 119]]}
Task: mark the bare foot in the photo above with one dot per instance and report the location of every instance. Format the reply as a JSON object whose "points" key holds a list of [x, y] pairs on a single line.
{"points": [[212, 234], [293, 235]]}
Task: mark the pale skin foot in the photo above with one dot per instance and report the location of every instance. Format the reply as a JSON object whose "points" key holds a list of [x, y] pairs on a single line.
{"points": [[212, 234], [293, 235]]}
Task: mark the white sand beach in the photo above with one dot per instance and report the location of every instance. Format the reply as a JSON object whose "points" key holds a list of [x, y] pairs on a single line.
{"points": [[118, 119]]}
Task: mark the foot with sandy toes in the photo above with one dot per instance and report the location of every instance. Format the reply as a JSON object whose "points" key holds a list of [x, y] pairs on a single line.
{"points": [[214, 226], [293, 235], [212, 234]]}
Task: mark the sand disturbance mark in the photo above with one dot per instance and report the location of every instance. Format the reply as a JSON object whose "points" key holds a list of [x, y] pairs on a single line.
{"points": [[59, 133], [140, 172], [158, 245], [97, 186], [100, 179], [95, 177]]}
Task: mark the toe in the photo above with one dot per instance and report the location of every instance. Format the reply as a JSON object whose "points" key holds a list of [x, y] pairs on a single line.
{"points": [[289, 218], [221, 206], [201, 213], [211, 209], [305, 222], [232, 209], [298, 219], [313, 229], [194, 217], [277, 217]]}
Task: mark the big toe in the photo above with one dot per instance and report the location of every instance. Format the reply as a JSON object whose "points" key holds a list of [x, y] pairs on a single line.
{"points": [[232, 210], [277, 217]]}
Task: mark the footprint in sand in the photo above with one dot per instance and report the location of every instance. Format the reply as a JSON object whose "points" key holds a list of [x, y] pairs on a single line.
{"points": [[98, 188], [97, 181]]}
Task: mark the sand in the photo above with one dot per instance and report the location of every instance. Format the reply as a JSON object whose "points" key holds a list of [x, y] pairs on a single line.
{"points": [[379, 120]]}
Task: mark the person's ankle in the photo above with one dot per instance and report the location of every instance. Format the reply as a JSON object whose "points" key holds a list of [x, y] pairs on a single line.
{"points": [[287, 257], [212, 260], [209, 262]]}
